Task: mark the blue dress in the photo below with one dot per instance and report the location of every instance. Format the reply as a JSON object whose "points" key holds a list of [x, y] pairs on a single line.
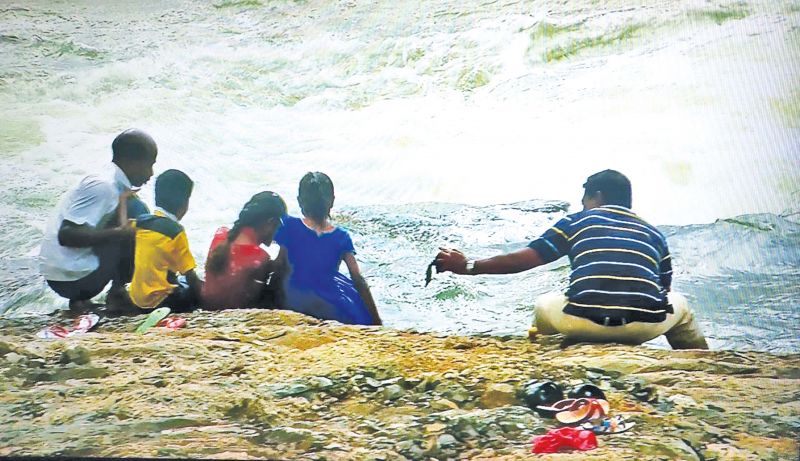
{"points": [[315, 286]]}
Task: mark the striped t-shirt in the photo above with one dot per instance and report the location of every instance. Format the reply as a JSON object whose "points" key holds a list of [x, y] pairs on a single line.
{"points": [[621, 266]]}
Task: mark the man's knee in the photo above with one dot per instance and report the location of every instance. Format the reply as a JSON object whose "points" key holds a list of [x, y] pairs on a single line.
{"points": [[550, 301], [680, 307], [686, 333], [79, 290], [545, 309]]}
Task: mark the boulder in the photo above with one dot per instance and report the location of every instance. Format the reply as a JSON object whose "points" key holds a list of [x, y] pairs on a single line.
{"points": [[498, 395], [367, 394]]}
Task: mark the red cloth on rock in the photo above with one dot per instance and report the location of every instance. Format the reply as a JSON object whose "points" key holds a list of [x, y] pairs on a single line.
{"points": [[564, 437]]}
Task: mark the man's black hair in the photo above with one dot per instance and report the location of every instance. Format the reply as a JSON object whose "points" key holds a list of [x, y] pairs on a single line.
{"points": [[132, 144], [173, 189], [616, 188]]}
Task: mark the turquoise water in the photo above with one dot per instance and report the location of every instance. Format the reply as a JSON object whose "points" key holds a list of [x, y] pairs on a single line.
{"points": [[428, 117]]}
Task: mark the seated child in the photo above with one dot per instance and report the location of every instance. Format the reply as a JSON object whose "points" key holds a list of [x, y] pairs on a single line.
{"points": [[314, 249], [162, 250], [238, 270]]}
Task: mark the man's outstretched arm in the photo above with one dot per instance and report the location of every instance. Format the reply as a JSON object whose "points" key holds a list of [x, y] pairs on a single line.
{"points": [[509, 263]]}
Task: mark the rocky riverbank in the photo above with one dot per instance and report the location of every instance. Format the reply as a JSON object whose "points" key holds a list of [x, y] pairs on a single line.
{"points": [[270, 384]]}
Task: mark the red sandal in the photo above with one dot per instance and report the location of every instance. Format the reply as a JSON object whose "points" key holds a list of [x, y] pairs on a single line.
{"points": [[578, 411]]}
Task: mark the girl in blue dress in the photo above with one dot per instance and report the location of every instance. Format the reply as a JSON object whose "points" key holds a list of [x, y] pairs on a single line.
{"points": [[314, 249]]}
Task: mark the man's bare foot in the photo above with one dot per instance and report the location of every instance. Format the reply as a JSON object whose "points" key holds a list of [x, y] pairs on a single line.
{"points": [[567, 342], [118, 302], [82, 306]]}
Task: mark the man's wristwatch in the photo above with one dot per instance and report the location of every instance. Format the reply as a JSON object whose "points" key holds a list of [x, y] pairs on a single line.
{"points": [[470, 266]]}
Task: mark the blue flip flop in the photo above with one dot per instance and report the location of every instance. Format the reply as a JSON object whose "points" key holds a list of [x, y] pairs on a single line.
{"points": [[613, 425]]}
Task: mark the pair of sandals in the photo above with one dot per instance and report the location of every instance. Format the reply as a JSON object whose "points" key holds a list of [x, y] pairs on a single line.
{"points": [[588, 413], [81, 325]]}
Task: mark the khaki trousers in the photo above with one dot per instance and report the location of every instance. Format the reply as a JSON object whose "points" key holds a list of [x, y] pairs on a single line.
{"points": [[680, 327]]}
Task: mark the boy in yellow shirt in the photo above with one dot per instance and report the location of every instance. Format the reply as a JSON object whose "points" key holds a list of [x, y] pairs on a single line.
{"points": [[162, 250]]}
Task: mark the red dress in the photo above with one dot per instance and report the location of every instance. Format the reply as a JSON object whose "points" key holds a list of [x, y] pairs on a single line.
{"points": [[229, 288]]}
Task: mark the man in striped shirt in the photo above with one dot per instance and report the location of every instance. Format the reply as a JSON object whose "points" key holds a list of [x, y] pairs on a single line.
{"points": [[621, 273]]}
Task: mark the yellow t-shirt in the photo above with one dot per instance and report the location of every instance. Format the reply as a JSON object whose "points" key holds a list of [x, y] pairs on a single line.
{"points": [[161, 248]]}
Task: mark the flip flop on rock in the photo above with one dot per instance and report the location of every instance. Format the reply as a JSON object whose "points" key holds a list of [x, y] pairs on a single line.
{"points": [[613, 425], [152, 319], [561, 405], [577, 411], [172, 323], [81, 325]]}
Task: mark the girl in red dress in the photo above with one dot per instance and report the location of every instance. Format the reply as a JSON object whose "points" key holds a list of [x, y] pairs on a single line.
{"points": [[238, 270]]}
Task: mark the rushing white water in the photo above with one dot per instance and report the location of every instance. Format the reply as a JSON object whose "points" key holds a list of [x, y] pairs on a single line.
{"points": [[472, 102]]}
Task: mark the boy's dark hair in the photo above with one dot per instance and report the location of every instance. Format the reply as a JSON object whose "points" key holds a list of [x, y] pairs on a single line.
{"points": [[132, 144], [173, 189], [616, 188], [316, 196]]}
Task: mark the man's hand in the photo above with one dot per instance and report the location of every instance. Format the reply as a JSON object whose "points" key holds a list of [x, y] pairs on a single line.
{"points": [[122, 206], [127, 230], [122, 233], [451, 260], [508, 263]]}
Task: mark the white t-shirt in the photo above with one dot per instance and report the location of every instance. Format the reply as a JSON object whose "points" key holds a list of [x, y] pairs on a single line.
{"points": [[94, 200]]}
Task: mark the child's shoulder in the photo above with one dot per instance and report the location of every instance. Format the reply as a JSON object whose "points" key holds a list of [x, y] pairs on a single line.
{"points": [[340, 230], [220, 236], [221, 233], [342, 236], [291, 220], [159, 224], [291, 224]]}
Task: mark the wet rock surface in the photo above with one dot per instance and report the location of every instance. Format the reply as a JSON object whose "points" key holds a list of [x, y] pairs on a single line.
{"points": [[270, 384]]}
